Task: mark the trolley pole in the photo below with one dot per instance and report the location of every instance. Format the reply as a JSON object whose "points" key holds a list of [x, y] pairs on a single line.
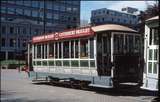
{"points": [[44, 17]]}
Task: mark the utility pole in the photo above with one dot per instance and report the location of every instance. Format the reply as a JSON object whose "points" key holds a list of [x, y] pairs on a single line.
{"points": [[44, 17]]}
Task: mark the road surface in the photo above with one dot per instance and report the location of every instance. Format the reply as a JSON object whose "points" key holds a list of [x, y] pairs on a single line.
{"points": [[17, 87]]}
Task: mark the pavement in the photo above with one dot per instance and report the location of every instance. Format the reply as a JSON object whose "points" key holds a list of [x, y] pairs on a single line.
{"points": [[17, 87]]}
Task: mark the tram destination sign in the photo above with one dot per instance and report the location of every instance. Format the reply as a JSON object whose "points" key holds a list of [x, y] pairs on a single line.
{"points": [[81, 32]]}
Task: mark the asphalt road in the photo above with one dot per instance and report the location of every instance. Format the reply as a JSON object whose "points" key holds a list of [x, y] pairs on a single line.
{"points": [[17, 87]]}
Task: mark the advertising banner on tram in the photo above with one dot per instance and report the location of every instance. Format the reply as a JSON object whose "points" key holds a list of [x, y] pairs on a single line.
{"points": [[81, 32]]}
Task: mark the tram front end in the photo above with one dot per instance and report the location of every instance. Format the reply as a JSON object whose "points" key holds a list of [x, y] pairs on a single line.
{"points": [[127, 60], [128, 70]]}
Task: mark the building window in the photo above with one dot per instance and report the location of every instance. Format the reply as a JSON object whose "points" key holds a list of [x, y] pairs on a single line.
{"points": [[75, 9], [19, 42], [19, 2], [19, 11], [107, 12], [3, 9], [62, 8], [35, 13], [3, 29], [74, 19], [49, 5], [56, 16], [11, 30], [102, 19], [49, 15], [35, 3], [18, 30], [11, 10], [36, 31], [27, 3], [3, 42], [27, 12], [24, 31], [41, 4], [24, 43], [12, 42], [56, 7], [69, 9], [75, 2]]}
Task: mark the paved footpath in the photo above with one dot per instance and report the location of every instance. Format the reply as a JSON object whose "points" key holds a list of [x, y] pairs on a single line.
{"points": [[16, 87]]}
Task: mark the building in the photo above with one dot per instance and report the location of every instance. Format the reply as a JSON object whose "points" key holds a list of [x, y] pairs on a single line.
{"points": [[107, 16], [129, 10], [151, 54], [22, 19]]}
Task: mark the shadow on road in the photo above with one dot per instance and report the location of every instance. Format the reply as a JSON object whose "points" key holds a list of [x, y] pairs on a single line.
{"points": [[111, 91]]}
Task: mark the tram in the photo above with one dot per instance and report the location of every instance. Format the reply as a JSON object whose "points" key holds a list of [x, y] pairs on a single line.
{"points": [[106, 55], [151, 55]]}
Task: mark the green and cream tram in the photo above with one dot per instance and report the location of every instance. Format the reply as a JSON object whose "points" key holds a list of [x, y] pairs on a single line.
{"points": [[105, 55]]}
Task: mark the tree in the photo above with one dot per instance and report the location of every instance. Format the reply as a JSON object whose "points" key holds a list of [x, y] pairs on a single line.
{"points": [[151, 11]]}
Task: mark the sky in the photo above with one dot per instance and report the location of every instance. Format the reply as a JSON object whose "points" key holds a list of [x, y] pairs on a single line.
{"points": [[87, 6]]}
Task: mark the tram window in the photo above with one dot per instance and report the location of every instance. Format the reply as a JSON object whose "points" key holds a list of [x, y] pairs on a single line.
{"points": [[84, 48], [105, 44], [150, 67], [60, 55], [107, 47], [72, 49], [45, 50], [42, 51], [118, 43], [66, 49], [56, 50], [76, 48], [155, 54], [38, 51], [51, 50], [129, 43], [150, 54], [137, 44], [154, 39], [34, 52], [155, 66], [91, 48]]}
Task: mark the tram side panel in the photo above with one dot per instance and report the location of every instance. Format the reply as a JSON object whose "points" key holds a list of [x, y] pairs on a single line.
{"points": [[44, 68]]}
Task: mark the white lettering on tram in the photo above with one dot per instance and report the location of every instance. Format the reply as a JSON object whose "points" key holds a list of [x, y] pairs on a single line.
{"points": [[65, 34]]}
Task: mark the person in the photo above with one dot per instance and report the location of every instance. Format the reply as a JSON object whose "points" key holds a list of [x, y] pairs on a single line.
{"points": [[18, 68], [27, 70]]}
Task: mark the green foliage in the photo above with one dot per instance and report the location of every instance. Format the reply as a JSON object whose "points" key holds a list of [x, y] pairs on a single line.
{"points": [[8, 62]]}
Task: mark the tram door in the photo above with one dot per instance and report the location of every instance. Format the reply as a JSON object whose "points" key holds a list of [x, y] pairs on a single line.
{"points": [[106, 55]]}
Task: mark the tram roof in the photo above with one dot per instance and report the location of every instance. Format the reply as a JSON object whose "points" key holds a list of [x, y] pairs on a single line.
{"points": [[153, 18], [112, 27]]}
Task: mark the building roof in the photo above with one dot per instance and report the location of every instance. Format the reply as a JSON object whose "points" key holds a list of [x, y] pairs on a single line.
{"points": [[112, 27], [153, 18]]}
